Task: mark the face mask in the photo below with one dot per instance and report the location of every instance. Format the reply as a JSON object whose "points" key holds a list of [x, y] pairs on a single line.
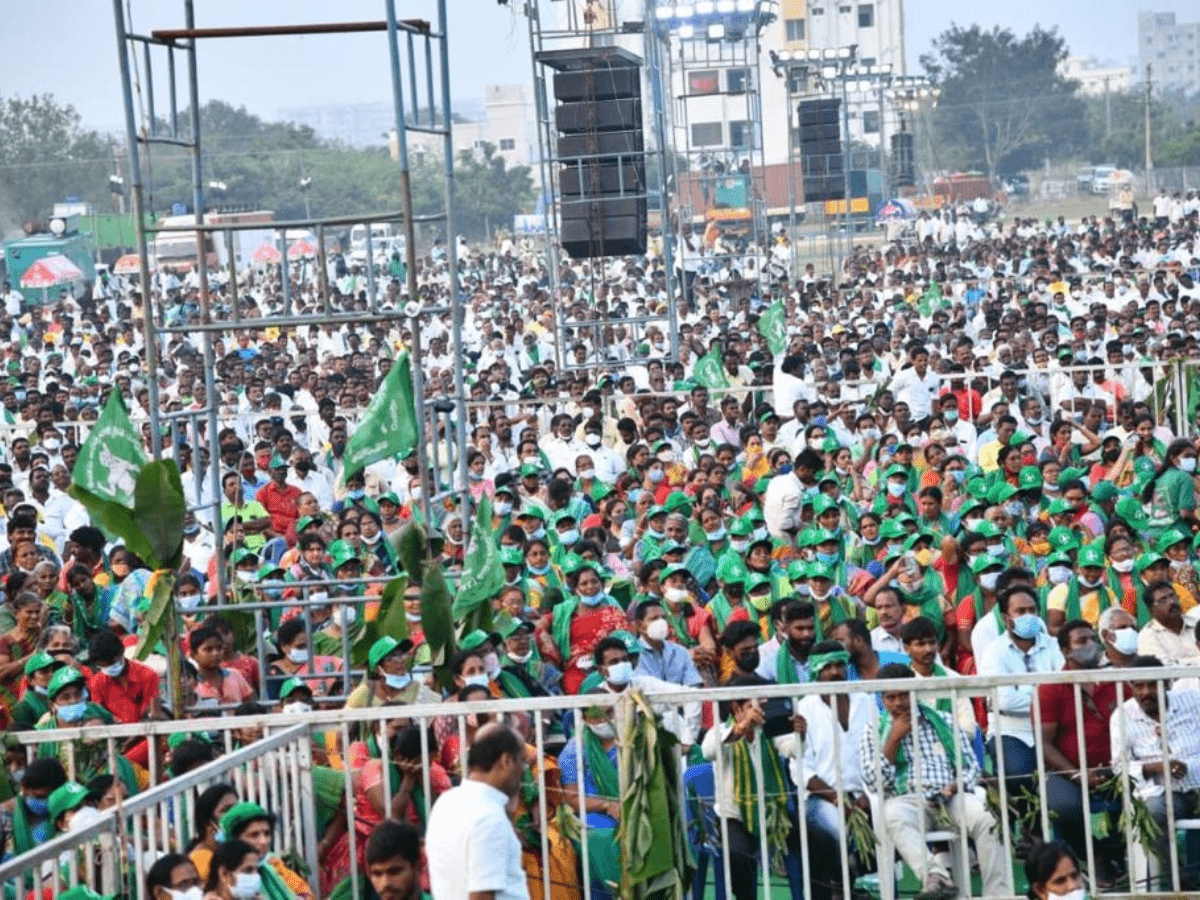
{"points": [[539, 570], [1077, 894], [972, 522], [704, 443], [760, 533], [570, 536], [502, 508], [349, 614], [521, 658], [592, 599], [675, 595], [656, 475], [1087, 657], [72, 712], [1090, 583], [1188, 464], [397, 682], [587, 474], [896, 489], [739, 545], [717, 535], [830, 559], [950, 415], [475, 476], [39, 806], [655, 533], [491, 662], [298, 655], [480, 680], [298, 707], [247, 886], [1059, 574], [785, 469], [192, 893], [620, 673], [606, 731], [415, 493], [1125, 641], [356, 494], [592, 440], [190, 601], [538, 533], [658, 630], [995, 550], [987, 580], [1016, 509], [413, 617], [1026, 627], [115, 670]]}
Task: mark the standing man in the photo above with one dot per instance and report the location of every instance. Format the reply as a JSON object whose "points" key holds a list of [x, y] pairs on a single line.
{"points": [[916, 385], [473, 851]]}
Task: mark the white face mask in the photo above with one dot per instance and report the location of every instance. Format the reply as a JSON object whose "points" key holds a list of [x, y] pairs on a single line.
{"points": [[192, 893], [675, 595], [658, 630], [1077, 894], [521, 658], [1123, 565], [620, 673], [298, 655], [297, 707], [247, 886], [1059, 574], [587, 474], [606, 731], [502, 508]]}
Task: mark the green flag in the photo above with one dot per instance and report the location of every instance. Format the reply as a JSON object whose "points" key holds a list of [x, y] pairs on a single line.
{"points": [[112, 455], [772, 325], [389, 426], [930, 300], [483, 575], [710, 369]]}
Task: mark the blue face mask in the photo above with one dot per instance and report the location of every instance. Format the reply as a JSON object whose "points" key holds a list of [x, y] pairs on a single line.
{"points": [[828, 558], [717, 535], [397, 682], [72, 712], [785, 469], [219, 836], [39, 806], [1026, 627], [538, 534], [356, 494], [539, 570], [594, 600], [568, 537]]}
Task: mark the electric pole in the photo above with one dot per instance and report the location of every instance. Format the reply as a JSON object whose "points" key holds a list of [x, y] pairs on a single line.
{"points": [[1107, 110], [1149, 160]]}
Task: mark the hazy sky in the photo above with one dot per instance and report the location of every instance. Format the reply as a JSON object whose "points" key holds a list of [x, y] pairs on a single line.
{"points": [[75, 57]]}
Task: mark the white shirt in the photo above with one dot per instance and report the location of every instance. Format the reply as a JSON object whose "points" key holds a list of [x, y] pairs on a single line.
{"points": [[725, 802], [781, 504], [825, 742], [882, 642], [917, 392], [1135, 739], [1011, 713], [471, 845]]}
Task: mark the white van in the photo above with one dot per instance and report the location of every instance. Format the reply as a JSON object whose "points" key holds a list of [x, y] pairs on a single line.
{"points": [[380, 232]]}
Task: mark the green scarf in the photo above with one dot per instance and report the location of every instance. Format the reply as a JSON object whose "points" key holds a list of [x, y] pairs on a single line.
{"points": [[945, 733], [561, 627], [678, 626], [745, 793], [22, 834], [273, 885], [603, 769], [926, 597], [785, 669], [840, 610], [722, 609], [1073, 608], [512, 686]]}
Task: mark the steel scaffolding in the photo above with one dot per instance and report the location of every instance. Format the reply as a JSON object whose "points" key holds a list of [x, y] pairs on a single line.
{"points": [[420, 79]]}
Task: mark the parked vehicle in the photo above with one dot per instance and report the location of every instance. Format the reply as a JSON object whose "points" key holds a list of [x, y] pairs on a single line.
{"points": [[1083, 179], [1101, 179]]}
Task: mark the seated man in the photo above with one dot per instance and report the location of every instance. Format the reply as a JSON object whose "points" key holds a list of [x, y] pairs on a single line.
{"points": [[927, 738], [920, 641], [1136, 737]]}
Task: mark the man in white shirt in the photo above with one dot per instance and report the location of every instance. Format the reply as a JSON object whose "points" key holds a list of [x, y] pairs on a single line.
{"points": [[916, 385], [473, 851], [782, 500], [885, 637]]}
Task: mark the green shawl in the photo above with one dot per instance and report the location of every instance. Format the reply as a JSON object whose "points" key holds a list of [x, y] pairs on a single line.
{"points": [[273, 886], [722, 609], [945, 733], [745, 792], [785, 668], [1072, 609], [603, 769]]}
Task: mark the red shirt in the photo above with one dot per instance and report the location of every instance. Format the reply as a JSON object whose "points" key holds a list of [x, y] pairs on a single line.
{"points": [[129, 696], [280, 504], [970, 403], [1058, 705]]}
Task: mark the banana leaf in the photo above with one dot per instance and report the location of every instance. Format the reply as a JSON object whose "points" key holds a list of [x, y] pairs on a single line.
{"points": [[158, 511], [438, 624], [391, 621]]}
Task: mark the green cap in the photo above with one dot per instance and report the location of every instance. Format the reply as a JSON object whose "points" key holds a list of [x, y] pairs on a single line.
{"points": [[1029, 477], [240, 815], [306, 521], [1104, 491], [511, 625], [809, 537], [511, 556], [1146, 560], [917, 536], [1131, 510], [1000, 492], [896, 471], [1058, 507], [977, 487], [741, 527], [573, 563], [530, 469], [1071, 474], [797, 570], [66, 798], [65, 676], [670, 546], [631, 643], [890, 528], [676, 569], [654, 511], [1059, 558], [341, 553], [39, 660], [476, 639], [534, 512], [823, 503], [389, 497], [384, 647], [731, 569], [678, 501], [832, 444], [820, 570], [293, 684], [561, 516], [1091, 555], [242, 554], [277, 462], [1063, 538], [1170, 538], [989, 530]]}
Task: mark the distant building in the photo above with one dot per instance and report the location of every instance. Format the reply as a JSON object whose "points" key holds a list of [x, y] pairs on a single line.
{"points": [[1095, 79], [1172, 50], [355, 124], [509, 124]]}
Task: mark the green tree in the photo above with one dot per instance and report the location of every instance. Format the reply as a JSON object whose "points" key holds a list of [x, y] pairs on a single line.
{"points": [[46, 156], [489, 193], [1003, 103]]}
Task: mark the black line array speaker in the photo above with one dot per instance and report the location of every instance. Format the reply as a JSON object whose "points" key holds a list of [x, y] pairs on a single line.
{"points": [[602, 160], [822, 160], [902, 160]]}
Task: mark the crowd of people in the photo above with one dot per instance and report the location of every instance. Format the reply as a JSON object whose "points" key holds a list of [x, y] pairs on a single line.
{"points": [[959, 459]]}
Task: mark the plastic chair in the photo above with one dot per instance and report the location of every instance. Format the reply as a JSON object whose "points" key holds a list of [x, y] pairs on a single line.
{"points": [[889, 870], [1144, 868], [703, 829]]}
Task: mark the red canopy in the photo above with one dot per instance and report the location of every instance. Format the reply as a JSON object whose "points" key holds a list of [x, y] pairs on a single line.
{"points": [[266, 253], [301, 248], [49, 271], [129, 264]]}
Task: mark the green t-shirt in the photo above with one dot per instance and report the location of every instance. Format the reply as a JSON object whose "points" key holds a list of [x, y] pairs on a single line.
{"points": [[1173, 493]]}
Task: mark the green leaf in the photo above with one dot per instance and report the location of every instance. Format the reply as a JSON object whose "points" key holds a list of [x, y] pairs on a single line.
{"points": [[162, 607], [392, 619], [412, 547], [159, 508], [438, 623]]}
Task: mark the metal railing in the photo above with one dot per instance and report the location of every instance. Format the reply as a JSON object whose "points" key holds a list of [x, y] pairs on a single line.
{"points": [[113, 854], [281, 763]]}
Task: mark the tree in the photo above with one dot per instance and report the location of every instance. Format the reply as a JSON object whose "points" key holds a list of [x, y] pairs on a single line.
{"points": [[1003, 103], [488, 192], [46, 156]]}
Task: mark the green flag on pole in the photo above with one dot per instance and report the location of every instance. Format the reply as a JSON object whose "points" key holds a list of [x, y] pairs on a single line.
{"points": [[772, 325], [389, 426], [112, 455], [710, 369], [483, 575]]}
